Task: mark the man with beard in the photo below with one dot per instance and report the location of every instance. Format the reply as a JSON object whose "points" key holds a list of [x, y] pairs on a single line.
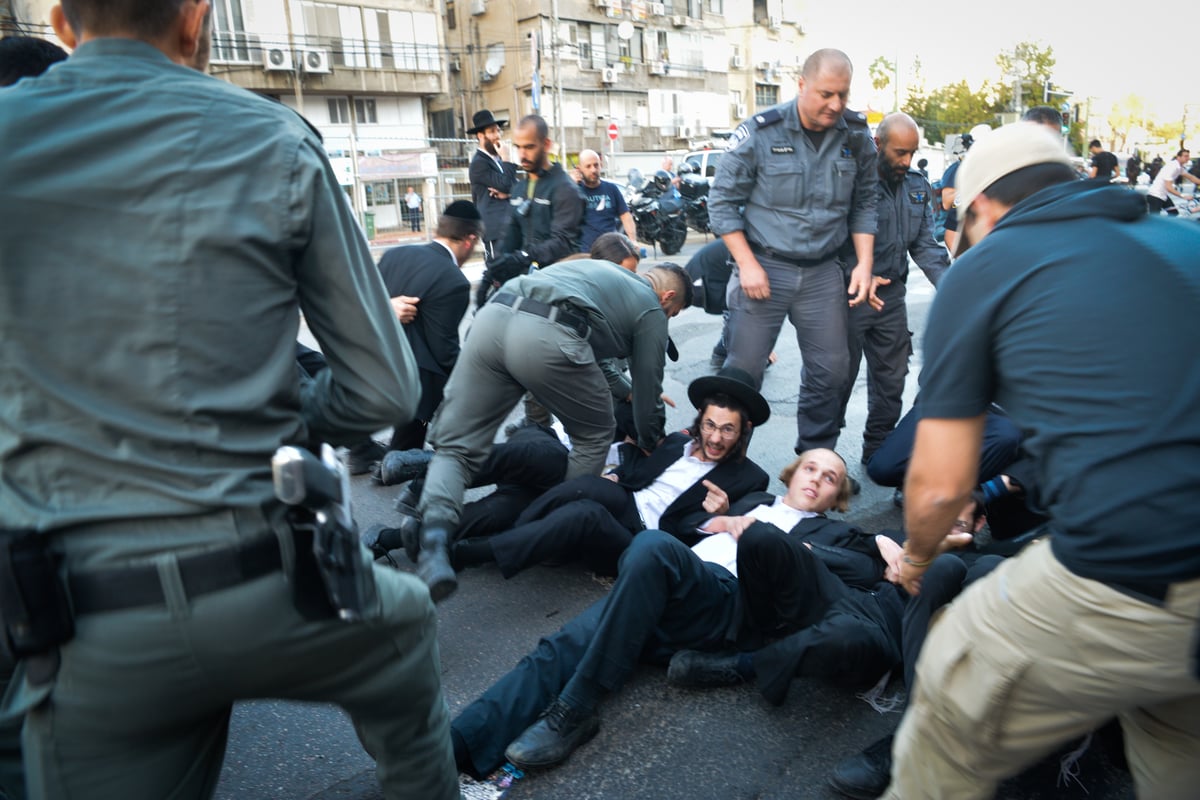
{"points": [[547, 206], [606, 209], [492, 180], [691, 475], [879, 329], [141, 411]]}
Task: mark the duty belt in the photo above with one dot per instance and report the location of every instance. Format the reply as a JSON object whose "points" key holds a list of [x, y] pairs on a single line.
{"points": [[114, 589], [571, 320], [779, 255]]}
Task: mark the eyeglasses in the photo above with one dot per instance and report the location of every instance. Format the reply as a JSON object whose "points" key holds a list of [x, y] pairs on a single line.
{"points": [[726, 431]]}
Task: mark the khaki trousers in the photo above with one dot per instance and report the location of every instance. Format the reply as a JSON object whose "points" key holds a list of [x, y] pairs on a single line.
{"points": [[1033, 656]]}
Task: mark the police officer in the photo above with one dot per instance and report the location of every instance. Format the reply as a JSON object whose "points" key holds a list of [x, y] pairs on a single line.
{"points": [[879, 328], [141, 408], [807, 180]]}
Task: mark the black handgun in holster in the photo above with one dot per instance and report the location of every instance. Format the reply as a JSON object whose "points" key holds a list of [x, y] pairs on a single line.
{"points": [[34, 608], [328, 553]]}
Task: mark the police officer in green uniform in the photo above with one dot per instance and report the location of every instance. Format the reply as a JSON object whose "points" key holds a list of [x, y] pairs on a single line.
{"points": [[163, 230], [807, 181], [545, 333]]}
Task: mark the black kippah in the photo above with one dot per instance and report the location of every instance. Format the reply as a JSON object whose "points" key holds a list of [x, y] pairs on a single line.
{"points": [[462, 209]]}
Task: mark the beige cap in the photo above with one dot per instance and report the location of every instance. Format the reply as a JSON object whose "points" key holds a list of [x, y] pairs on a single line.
{"points": [[1005, 150]]}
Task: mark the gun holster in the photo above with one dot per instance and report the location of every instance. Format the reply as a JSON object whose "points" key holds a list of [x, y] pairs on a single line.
{"points": [[34, 608], [331, 577]]}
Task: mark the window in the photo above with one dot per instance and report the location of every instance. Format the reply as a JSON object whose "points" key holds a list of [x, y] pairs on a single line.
{"points": [[364, 111], [694, 9], [230, 42], [373, 37], [339, 111], [451, 22], [716, 6], [765, 95], [379, 194]]}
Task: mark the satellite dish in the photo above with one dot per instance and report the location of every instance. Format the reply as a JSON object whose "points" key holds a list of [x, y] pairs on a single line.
{"points": [[493, 66], [625, 31]]}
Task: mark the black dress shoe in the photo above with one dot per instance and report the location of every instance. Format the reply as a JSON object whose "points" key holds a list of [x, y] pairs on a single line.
{"points": [[865, 775], [697, 670], [364, 456], [559, 730], [399, 466], [433, 563]]}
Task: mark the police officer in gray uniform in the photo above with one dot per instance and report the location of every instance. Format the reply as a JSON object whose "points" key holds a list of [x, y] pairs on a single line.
{"points": [[880, 328], [545, 333], [807, 180]]}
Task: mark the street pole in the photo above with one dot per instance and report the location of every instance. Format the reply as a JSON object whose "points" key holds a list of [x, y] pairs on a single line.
{"points": [[557, 77], [296, 69]]}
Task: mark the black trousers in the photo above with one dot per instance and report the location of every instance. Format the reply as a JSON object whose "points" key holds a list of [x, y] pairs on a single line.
{"points": [[665, 600], [587, 518], [846, 635]]}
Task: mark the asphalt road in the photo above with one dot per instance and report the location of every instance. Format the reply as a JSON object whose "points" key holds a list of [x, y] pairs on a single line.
{"points": [[655, 742]]}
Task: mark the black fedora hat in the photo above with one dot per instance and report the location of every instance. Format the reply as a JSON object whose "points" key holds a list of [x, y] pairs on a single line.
{"points": [[484, 120], [737, 384]]}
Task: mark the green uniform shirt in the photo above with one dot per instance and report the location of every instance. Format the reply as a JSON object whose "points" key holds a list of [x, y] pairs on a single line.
{"points": [[627, 322], [162, 230]]}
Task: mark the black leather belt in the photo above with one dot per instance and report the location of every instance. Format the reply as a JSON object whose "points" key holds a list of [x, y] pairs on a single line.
{"points": [[129, 587], [561, 315], [778, 255]]}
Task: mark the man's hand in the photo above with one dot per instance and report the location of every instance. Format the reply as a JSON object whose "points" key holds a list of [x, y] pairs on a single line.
{"points": [[892, 555], [860, 283], [875, 301], [507, 267], [496, 193], [716, 501], [961, 534], [667, 400], [405, 308], [735, 526], [612, 476], [754, 280]]}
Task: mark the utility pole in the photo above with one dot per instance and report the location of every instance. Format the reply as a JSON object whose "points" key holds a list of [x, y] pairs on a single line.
{"points": [[556, 76]]}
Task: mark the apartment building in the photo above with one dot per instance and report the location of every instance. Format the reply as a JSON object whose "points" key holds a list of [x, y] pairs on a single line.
{"points": [[668, 74]]}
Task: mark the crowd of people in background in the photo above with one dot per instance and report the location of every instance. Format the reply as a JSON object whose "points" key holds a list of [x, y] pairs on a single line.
{"points": [[1057, 405]]}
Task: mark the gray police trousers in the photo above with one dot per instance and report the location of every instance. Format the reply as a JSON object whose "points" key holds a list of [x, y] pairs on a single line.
{"points": [[883, 337], [140, 707], [815, 300], [506, 353]]}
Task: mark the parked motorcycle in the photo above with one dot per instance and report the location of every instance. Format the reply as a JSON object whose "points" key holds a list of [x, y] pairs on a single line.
{"points": [[657, 211], [694, 189]]}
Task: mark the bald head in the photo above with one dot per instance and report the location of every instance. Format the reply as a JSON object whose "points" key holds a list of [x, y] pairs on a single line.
{"points": [[898, 138], [828, 59], [589, 167]]}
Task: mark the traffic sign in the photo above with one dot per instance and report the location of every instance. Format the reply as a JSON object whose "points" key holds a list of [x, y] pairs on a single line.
{"points": [[613, 131]]}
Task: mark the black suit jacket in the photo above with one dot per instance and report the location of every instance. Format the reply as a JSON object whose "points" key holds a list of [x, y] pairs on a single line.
{"points": [[429, 272], [687, 513], [486, 174]]}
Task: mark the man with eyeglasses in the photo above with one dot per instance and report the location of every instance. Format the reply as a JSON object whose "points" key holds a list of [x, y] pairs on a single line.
{"points": [[676, 487]]}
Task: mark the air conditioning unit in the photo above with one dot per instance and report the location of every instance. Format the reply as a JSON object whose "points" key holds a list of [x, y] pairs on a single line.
{"points": [[277, 59], [685, 132], [455, 65], [658, 9], [658, 68], [679, 21], [314, 60], [478, 7], [774, 23], [604, 3], [738, 62], [609, 75], [739, 111]]}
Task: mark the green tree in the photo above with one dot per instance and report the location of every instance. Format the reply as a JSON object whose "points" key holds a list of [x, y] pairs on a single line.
{"points": [[955, 108], [1034, 64], [881, 72]]}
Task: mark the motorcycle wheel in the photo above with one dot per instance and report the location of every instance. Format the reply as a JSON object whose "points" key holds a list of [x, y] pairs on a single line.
{"points": [[672, 239]]}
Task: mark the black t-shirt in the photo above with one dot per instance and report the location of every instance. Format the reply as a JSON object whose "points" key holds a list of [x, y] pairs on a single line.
{"points": [[1088, 336], [1105, 163], [948, 183]]}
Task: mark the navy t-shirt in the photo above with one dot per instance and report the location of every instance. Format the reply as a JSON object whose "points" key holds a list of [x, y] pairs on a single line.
{"points": [[602, 214], [948, 183], [1087, 334]]}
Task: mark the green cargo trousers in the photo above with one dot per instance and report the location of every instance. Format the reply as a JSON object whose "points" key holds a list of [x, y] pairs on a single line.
{"points": [[140, 707]]}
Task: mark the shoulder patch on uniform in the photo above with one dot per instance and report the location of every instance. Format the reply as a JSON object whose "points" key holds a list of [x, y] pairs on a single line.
{"points": [[741, 134], [855, 118]]}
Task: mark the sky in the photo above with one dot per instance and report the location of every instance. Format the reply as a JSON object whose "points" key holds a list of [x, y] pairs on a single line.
{"points": [[1103, 49]]}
